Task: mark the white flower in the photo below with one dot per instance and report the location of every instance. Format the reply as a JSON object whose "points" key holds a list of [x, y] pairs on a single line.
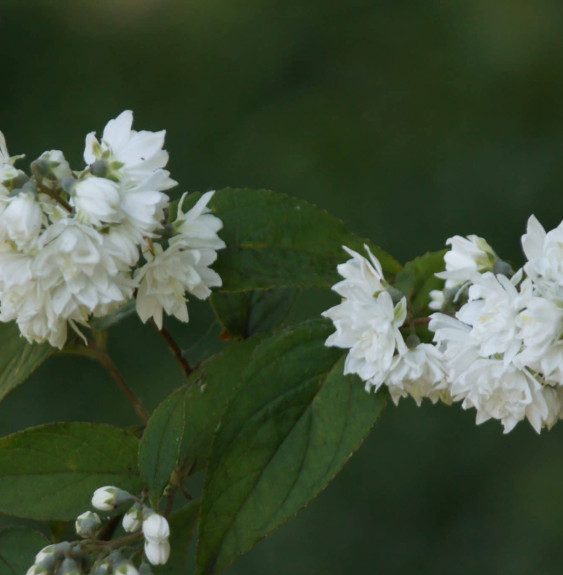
{"points": [[367, 322], [143, 209], [131, 155], [133, 519], [87, 524], [437, 300], [467, 257], [551, 364], [492, 309], [418, 372], [21, 221], [97, 201], [157, 553], [182, 267], [155, 527], [8, 171], [363, 278], [545, 258], [109, 497], [51, 167], [540, 325], [503, 392]]}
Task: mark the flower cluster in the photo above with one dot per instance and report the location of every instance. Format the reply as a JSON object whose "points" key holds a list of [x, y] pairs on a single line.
{"points": [[503, 347], [498, 334], [80, 244], [95, 556], [367, 323]]}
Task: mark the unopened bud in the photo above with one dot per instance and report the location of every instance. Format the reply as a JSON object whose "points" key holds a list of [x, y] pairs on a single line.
{"points": [[109, 497], [503, 268], [155, 527], [50, 167], [125, 568], [69, 567], [133, 519], [87, 524], [157, 553], [100, 168], [102, 569]]}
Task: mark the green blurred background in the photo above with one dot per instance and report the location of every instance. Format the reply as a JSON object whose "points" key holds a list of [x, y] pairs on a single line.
{"points": [[411, 121]]}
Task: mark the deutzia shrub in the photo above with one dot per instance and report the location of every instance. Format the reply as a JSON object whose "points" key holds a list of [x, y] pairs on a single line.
{"points": [[266, 408]]}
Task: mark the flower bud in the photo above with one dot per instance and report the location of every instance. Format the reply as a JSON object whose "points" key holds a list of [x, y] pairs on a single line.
{"points": [[97, 200], [102, 569], [157, 553], [88, 524], [109, 498], [155, 527], [50, 553], [21, 220], [133, 519], [37, 569], [69, 567], [59, 166], [125, 568]]}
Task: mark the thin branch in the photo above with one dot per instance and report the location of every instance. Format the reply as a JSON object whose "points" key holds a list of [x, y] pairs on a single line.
{"points": [[95, 352], [175, 349], [45, 190]]}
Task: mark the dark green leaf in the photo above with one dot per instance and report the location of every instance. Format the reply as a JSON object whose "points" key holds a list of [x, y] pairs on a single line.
{"points": [[274, 240], [246, 313], [285, 435], [417, 278], [18, 547], [183, 424], [18, 359], [182, 526], [50, 472]]}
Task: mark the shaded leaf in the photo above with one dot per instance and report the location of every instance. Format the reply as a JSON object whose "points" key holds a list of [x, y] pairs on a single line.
{"points": [[18, 359], [286, 434], [182, 527], [417, 278], [182, 426], [18, 547], [246, 313], [274, 240], [50, 472]]}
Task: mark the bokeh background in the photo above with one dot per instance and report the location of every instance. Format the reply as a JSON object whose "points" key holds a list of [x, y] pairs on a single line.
{"points": [[412, 121]]}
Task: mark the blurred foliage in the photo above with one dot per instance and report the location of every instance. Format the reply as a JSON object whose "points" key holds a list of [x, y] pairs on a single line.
{"points": [[412, 121]]}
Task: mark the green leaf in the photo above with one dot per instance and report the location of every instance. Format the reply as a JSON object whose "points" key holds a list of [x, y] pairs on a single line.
{"points": [[182, 426], [283, 438], [18, 547], [49, 472], [18, 359], [417, 278], [182, 527], [274, 240], [246, 313]]}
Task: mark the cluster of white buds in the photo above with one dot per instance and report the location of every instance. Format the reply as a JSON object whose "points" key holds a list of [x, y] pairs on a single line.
{"points": [[94, 556], [498, 339], [80, 244], [155, 528]]}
